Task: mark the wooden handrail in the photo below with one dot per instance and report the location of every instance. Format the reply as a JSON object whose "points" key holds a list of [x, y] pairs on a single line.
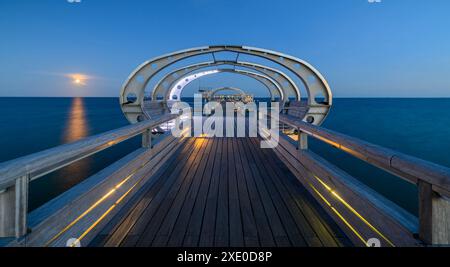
{"points": [[432, 180], [407, 167], [38, 164]]}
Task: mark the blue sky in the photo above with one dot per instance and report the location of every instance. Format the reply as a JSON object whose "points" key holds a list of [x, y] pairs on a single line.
{"points": [[396, 48]]}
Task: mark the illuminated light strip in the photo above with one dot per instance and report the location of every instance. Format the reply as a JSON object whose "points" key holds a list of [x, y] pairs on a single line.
{"points": [[346, 204], [363, 219], [89, 209], [339, 215], [337, 145], [95, 205], [332, 143], [78, 240], [354, 211], [326, 140], [104, 214]]}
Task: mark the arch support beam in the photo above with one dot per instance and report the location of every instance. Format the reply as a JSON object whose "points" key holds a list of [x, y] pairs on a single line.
{"points": [[314, 82], [234, 89], [286, 84], [177, 87]]}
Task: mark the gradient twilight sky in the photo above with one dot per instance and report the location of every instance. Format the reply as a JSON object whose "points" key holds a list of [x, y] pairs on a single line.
{"points": [[396, 48]]}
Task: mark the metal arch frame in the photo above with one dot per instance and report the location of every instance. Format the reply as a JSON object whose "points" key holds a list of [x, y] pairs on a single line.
{"points": [[284, 81], [315, 83], [177, 87], [214, 91]]}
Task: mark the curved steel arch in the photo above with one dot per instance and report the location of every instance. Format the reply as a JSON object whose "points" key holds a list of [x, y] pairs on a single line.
{"points": [[235, 89], [286, 84], [177, 87], [315, 83]]}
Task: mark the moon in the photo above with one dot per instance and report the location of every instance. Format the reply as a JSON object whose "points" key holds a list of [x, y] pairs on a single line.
{"points": [[78, 79]]}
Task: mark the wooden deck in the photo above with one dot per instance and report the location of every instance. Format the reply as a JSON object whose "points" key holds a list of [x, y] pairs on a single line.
{"points": [[222, 192]]}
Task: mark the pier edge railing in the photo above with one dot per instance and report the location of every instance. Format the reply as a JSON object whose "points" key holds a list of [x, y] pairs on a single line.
{"points": [[15, 175], [432, 180]]}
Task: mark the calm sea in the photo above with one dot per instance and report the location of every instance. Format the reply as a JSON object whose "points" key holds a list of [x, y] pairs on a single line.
{"points": [[419, 127]]}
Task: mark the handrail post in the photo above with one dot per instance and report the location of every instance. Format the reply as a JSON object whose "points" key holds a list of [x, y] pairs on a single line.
{"points": [[147, 138], [434, 216], [14, 209], [302, 142]]}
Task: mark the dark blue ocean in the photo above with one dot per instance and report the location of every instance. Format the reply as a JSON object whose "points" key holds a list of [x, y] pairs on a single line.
{"points": [[419, 127]]}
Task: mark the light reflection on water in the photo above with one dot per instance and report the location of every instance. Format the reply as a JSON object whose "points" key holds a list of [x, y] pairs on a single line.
{"points": [[55, 121], [76, 126]]}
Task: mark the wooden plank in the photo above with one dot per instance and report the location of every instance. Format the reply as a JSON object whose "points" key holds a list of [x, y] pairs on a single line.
{"points": [[185, 207], [72, 219], [294, 195], [265, 234], [194, 228], [308, 159], [278, 231], [320, 221], [297, 109], [250, 233], [168, 224], [308, 168], [139, 226], [303, 176], [272, 167], [112, 234], [434, 214], [188, 209], [221, 237], [42, 213], [425, 212], [118, 228], [289, 228], [145, 177], [154, 222], [134, 214], [235, 221], [209, 218]]}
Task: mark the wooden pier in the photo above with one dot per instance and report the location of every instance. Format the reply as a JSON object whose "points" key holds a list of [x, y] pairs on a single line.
{"points": [[199, 191], [220, 192]]}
